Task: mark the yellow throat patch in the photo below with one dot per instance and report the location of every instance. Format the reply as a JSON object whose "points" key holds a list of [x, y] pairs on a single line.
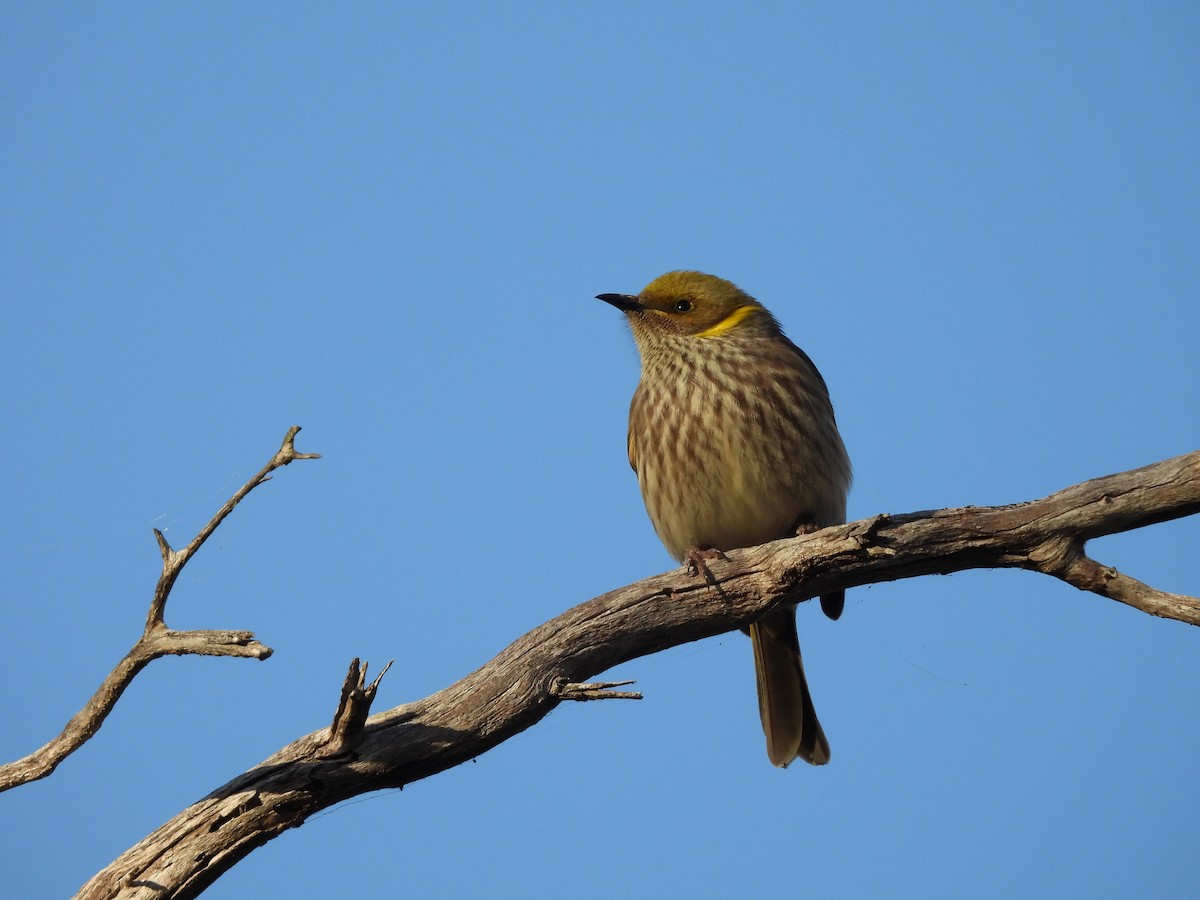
{"points": [[730, 322]]}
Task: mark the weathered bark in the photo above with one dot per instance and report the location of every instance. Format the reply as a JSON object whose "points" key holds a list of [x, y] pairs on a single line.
{"points": [[546, 666]]}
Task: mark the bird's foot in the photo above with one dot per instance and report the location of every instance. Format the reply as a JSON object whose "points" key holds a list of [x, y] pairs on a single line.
{"points": [[697, 561]]}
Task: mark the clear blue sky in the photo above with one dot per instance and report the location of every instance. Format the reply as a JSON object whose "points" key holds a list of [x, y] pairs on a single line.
{"points": [[386, 223]]}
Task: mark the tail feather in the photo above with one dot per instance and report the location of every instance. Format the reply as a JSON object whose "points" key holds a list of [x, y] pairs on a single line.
{"points": [[833, 604], [788, 718]]}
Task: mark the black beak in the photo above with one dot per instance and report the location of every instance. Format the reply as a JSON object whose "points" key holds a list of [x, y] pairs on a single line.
{"points": [[623, 302]]}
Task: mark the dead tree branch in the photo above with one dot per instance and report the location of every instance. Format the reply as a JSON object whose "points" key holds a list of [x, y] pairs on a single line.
{"points": [[156, 640], [529, 678]]}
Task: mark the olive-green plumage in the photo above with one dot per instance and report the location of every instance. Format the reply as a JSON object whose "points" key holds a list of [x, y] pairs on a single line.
{"points": [[734, 442]]}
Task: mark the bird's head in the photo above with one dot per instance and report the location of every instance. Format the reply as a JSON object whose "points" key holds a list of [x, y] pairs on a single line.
{"points": [[691, 305]]}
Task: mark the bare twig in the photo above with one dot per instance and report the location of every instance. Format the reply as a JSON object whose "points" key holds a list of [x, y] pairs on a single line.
{"points": [[175, 560], [353, 708], [595, 690], [156, 640], [525, 681]]}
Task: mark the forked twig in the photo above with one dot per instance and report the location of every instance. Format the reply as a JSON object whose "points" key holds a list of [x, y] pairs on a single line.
{"points": [[156, 640]]}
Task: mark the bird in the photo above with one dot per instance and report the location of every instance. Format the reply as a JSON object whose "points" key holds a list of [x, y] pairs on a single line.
{"points": [[734, 442]]}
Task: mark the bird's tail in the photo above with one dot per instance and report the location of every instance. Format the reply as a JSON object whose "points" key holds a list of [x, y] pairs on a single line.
{"points": [[784, 704], [833, 604]]}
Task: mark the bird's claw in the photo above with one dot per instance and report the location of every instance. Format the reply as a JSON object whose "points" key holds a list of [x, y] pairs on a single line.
{"points": [[697, 561]]}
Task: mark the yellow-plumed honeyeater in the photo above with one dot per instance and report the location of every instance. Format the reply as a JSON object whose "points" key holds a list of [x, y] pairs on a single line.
{"points": [[733, 439]]}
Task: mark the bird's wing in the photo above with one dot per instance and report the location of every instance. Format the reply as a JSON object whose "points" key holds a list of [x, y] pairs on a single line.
{"points": [[808, 364], [631, 444], [632, 448]]}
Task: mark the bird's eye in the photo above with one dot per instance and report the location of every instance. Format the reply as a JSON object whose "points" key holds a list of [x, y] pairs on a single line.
{"points": [[683, 305]]}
